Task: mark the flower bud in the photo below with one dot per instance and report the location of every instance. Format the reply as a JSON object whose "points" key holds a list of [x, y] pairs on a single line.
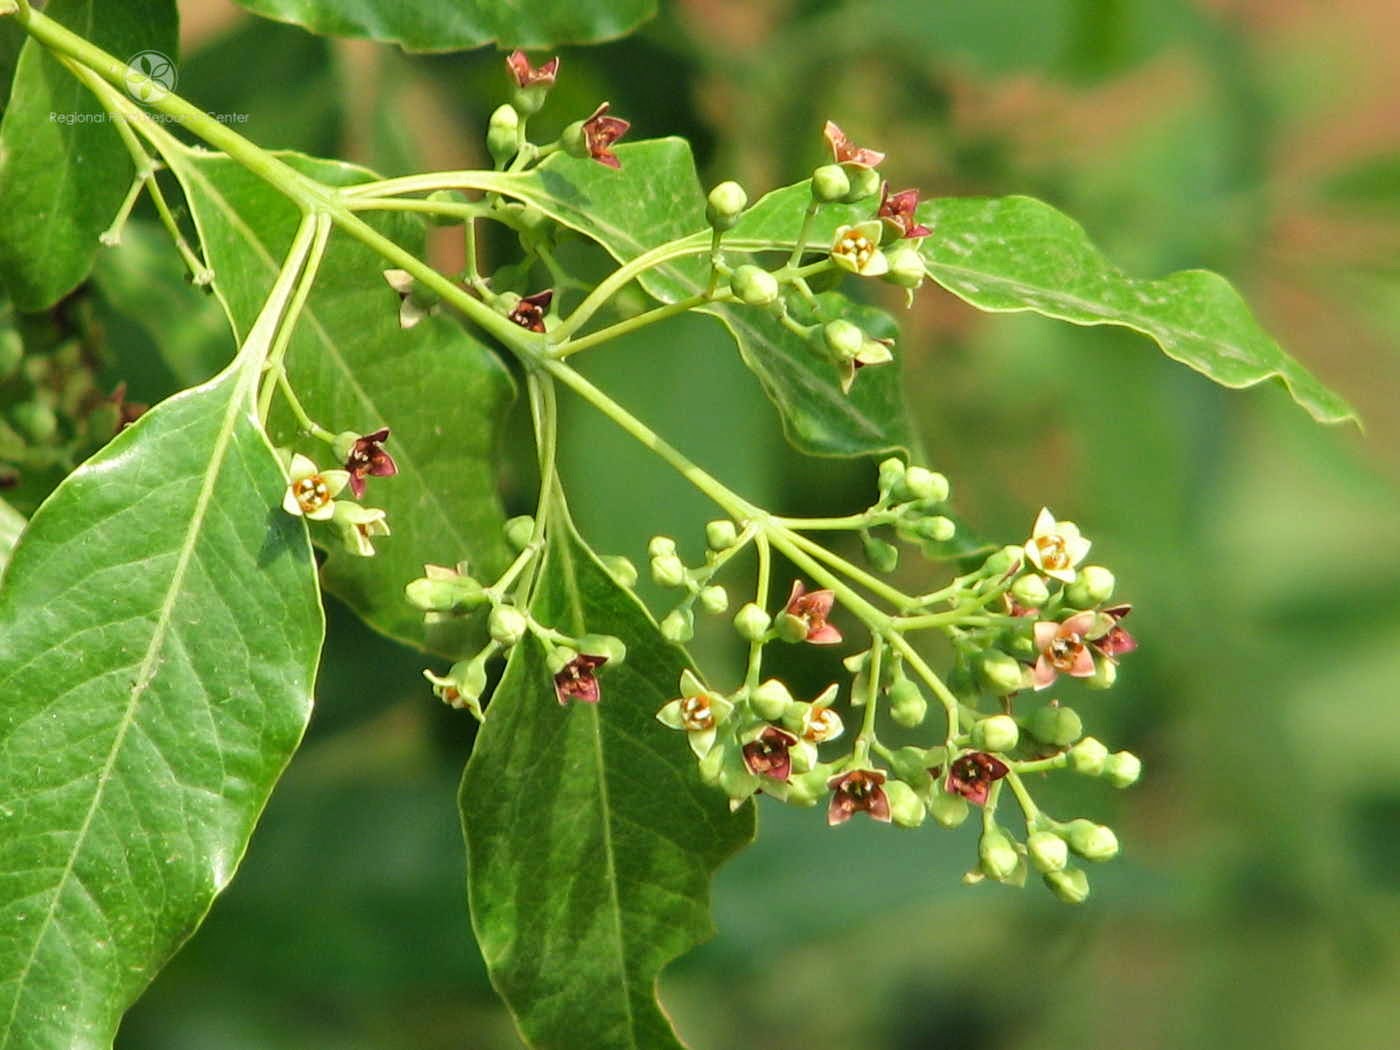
{"points": [[997, 854], [608, 646], [1030, 592], [906, 267], [519, 530], [721, 534], [736, 780], [1088, 757], [575, 141], [503, 133], [907, 704], [463, 684], [906, 808], [752, 623], [865, 182], [1092, 586], [921, 483], [661, 546], [35, 420], [754, 286], [995, 733], [937, 529], [1122, 769], [445, 594], [507, 625], [711, 764], [947, 809], [830, 183], [883, 556], [714, 599], [1105, 673], [1056, 726], [1095, 842], [770, 700], [668, 570], [725, 204], [620, 569], [1070, 885], [791, 628], [1000, 674], [843, 339], [11, 352], [1048, 852], [910, 764], [1003, 561], [678, 626], [891, 473], [807, 789]]}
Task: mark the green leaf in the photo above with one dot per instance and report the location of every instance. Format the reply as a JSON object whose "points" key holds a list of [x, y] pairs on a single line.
{"points": [[63, 170], [159, 629], [591, 839], [11, 525], [656, 198], [455, 25], [443, 394]]}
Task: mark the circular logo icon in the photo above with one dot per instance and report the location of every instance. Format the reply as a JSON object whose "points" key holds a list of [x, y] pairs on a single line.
{"points": [[150, 76]]}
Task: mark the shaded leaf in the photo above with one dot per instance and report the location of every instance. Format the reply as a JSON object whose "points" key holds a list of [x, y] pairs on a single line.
{"points": [[442, 393], [590, 838], [159, 629], [455, 25], [63, 170], [11, 525]]}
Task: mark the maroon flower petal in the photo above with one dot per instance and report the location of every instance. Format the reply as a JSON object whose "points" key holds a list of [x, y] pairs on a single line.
{"points": [[846, 152], [527, 75], [858, 791], [529, 312], [972, 775], [767, 756], [600, 131], [897, 211], [367, 458], [576, 681]]}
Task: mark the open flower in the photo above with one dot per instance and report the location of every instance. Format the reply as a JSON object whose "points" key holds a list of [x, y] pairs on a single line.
{"points": [[1064, 648], [972, 775], [367, 458], [812, 609], [857, 249], [820, 724], [767, 754], [576, 680], [529, 312], [697, 711], [844, 151], [1115, 641], [415, 303], [311, 491], [600, 131], [859, 791], [897, 213], [872, 352], [1056, 547], [527, 75], [358, 526]]}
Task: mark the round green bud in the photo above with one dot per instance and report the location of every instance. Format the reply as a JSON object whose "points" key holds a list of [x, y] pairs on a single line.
{"points": [[1031, 591], [574, 141], [865, 182], [891, 473], [791, 628], [1019, 641], [1122, 769], [678, 626], [995, 733], [446, 197], [937, 529], [910, 764], [1000, 562], [725, 204], [883, 556], [752, 623], [770, 700], [906, 267], [721, 534], [35, 420], [507, 625], [843, 339], [736, 781], [997, 854], [621, 569], [11, 352], [503, 133], [668, 570], [1048, 852], [754, 285], [907, 704], [1088, 757], [906, 808], [608, 646], [920, 483], [661, 546], [806, 789], [830, 183], [1070, 885], [519, 530], [714, 599], [1056, 726], [1093, 585], [1095, 842], [999, 673], [454, 594], [947, 809], [532, 220], [1105, 674]]}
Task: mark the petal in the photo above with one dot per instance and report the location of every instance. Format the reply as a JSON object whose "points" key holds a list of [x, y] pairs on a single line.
{"points": [[691, 685], [1083, 666], [876, 266], [701, 741], [1066, 575], [290, 504], [670, 715], [720, 708], [301, 467], [1043, 674], [826, 634], [322, 513], [1077, 547], [1044, 523], [1033, 553], [335, 480], [1081, 624], [410, 313], [837, 812], [400, 281], [880, 806], [1045, 632]]}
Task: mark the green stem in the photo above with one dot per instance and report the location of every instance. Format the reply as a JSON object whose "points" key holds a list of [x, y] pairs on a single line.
{"points": [[894, 596], [800, 245], [765, 568], [632, 324], [867, 725], [1023, 799], [321, 232]]}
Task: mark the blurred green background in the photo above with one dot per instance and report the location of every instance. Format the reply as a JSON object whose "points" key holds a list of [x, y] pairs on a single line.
{"points": [[1256, 902]]}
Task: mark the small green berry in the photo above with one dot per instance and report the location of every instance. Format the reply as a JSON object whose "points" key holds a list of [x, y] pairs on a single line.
{"points": [[507, 625], [755, 286], [725, 204], [720, 535], [1092, 586], [830, 183], [1122, 769], [752, 623], [995, 733], [1088, 757]]}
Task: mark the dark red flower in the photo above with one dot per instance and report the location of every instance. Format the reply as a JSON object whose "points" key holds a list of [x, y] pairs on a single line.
{"points": [[529, 312], [575, 680], [1064, 648], [971, 776], [858, 791], [767, 756], [367, 458], [527, 75], [600, 132], [897, 212], [1115, 641], [847, 152], [813, 609]]}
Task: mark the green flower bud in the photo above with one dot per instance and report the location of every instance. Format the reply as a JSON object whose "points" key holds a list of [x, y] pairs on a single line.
{"points": [[1056, 726], [449, 593], [678, 626], [906, 808], [607, 646], [668, 570], [906, 267], [574, 141], [891, 473], [1088, 757], [1048, 852], [725, 204], [923, 484], [1105, 674], [937, 529], [1095, 842], [1019, 640], [1031, 591], [948, 809], [711, 765], [1122, 769], [995, 733], [35, 420], [1000, 562], [807, 789], [910, 764], [661, 546], [830, 183], [865, 182], [997, 854], [736, 781], [714, 599], [752, 623], [1070, 885], [721, 534], [907, 704], [843, 340], [11, 352], [1000, 674], [770, 700], [883, 556], [519, 531], [503, 133], [507, 625], [791, 628], [754, 286], [1093, 585], [620, 569]]}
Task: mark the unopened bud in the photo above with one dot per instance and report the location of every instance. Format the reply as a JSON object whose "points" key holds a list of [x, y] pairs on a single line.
{"points": [[1000, 674], [770, 700], [450, 594], [1122, 769], [725, 204], [678, 626], [910, 764], [843, 339], [906, 808], [714, 599], [907, 704], [830, 183], [921, 483], [668, 570], [721, 534], [997, 854], [608, 646], [1048, 852], [1095, 842], [752, 623], [1030, 591], [574, 141], [891, 473], [1105, 674], [995, 733], [1000, 562], [503, 133], [1056, 726], [791, 628], [865, 182], [661, 546], [519, 531], [507, 625], [906, 267], [948, 809], [620, 569], [754, 285], [883, 556], [1088, 757], [1093, 585], [1070, 885]]}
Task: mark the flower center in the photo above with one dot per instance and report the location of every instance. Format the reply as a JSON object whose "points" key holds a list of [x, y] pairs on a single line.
{"points": [[311, 493], [1053, 554], [818, 726], [857, 247], [1063, 651], [696, 714]]}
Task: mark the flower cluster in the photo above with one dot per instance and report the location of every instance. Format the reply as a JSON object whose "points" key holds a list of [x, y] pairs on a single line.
{"points": [[311, 490]]}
